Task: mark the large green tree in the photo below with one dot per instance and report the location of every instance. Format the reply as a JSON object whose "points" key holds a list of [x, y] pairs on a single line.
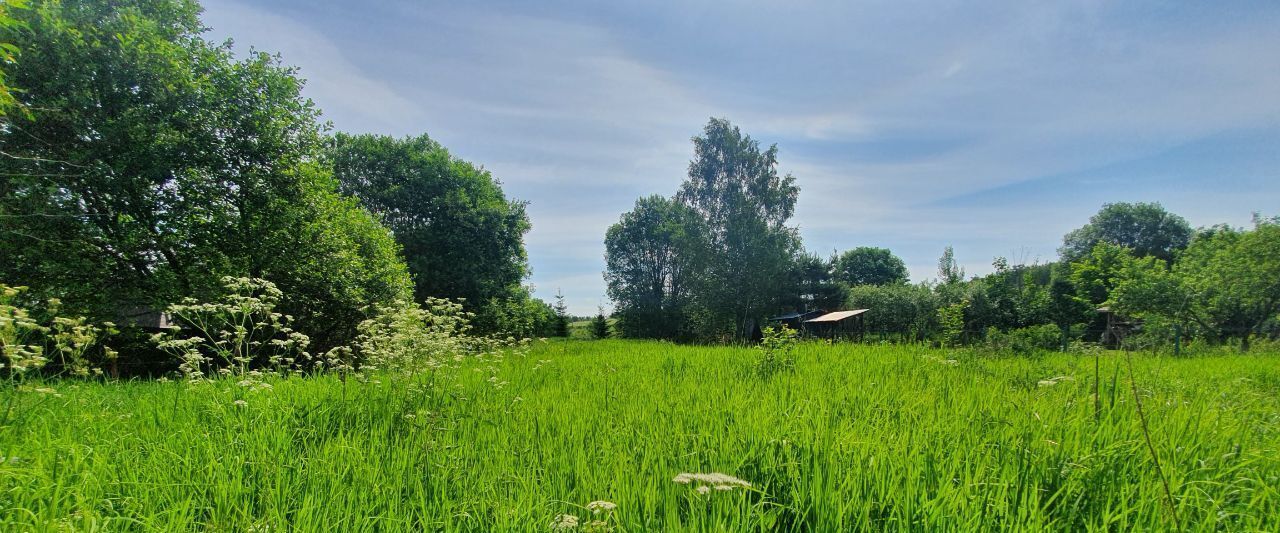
{"points": [[866, 265], [1145, 228], [734, 186], [153, 163], [1233, 278], [654, 256], [461, 236]]}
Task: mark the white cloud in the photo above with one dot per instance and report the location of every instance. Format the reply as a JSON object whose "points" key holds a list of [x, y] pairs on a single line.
{"points": [[882, 110]]}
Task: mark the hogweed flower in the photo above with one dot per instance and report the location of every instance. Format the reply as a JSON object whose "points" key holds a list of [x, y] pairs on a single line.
{"points": [[601, 506], [564, 521], [716, 480]]}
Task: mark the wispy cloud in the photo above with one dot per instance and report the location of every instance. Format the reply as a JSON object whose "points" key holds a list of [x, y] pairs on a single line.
{"points": [[995, 127]]}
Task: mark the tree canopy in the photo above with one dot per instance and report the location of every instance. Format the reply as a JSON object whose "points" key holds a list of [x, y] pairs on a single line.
{"points": [[460, 235], [717, 256], [654, 256], [866, 265], [154, 163], [1145, 228]]}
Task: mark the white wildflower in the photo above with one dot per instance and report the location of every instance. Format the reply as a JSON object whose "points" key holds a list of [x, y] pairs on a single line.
{"points": [[565, 521], [1053, 381], [240, 403], [703, 489], [714, 478], [600, 506]]}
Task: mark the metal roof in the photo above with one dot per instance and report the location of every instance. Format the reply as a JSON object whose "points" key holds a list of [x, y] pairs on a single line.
{"points": [[838, 316], [795, 315]]}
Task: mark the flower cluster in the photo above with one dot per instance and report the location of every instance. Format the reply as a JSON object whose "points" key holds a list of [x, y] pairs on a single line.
{"points": [[601, 519], [704, 483], [230, 336], [19, 335], [27, 345]]}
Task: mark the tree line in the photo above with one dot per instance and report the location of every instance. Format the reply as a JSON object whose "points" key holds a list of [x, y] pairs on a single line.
{"points": [[143, 163], [719, 257]]}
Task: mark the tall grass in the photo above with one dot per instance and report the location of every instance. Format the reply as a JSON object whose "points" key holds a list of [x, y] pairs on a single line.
{"points": [[858, 437]]}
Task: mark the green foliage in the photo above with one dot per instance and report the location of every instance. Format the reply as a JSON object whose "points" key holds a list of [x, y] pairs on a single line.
{"points": [[951, 323], [812, 285], [1024, 341], [32, 340], [825, 449], [156, 164], [8, 52], [407, 338], [560, 327], [460, 235], [1096, 274], [1233, 277], [1145, 228], [600, 326], [949, 271], [654, 258], [902, 309], [777, 351], [518, 314], [734, 187], [867, 265]]}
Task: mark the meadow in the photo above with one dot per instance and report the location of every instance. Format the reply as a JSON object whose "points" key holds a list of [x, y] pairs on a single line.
{"points": [[857, 437]]}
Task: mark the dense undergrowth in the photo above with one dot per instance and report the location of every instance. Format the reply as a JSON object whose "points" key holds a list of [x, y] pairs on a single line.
{"points": [[856, 437]]}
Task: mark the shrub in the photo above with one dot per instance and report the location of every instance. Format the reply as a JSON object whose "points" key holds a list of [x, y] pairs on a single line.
{"points": [[1025, 340], [776, 349]]}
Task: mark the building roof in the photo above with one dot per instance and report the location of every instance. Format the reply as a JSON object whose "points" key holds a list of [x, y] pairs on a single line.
{"points": [[795, 315], [837, 316]]}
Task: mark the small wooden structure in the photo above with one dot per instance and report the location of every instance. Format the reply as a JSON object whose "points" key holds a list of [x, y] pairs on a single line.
{"points": [[1118, 327], [838, 325]]}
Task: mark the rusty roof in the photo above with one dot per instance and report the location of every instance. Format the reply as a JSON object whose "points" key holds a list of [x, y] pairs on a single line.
{"points": [[837, 316]]}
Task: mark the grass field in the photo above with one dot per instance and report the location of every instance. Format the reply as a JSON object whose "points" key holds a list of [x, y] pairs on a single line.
{"points": [[858, 437]]}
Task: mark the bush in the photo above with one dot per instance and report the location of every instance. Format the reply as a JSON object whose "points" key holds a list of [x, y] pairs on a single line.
{"points": [[776, 349], [1026, 340]]}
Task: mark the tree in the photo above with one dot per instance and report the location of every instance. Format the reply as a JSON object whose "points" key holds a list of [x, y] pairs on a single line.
{"points": [[1096, 274], [154, 164], [868, 265], [814, 287], [901, 308], [1145, 228], [949, 271], [561, 325], [734, 186], [600, 325], [1233, 276], [1065, 309], [461, 237], [653, 256]]}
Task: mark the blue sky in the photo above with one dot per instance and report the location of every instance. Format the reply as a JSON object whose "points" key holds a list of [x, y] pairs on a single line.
{"points": [[994, 127]]}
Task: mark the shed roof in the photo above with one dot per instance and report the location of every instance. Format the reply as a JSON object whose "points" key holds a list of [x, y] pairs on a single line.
{"points": [[797, 314], [838, 316]]}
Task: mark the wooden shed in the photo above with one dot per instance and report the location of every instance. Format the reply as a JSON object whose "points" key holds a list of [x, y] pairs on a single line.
{"points": [[1118, 327], [838, 325]]}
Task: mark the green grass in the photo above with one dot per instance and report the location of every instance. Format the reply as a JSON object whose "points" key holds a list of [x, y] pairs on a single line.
{"points": [[859, 437]]}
